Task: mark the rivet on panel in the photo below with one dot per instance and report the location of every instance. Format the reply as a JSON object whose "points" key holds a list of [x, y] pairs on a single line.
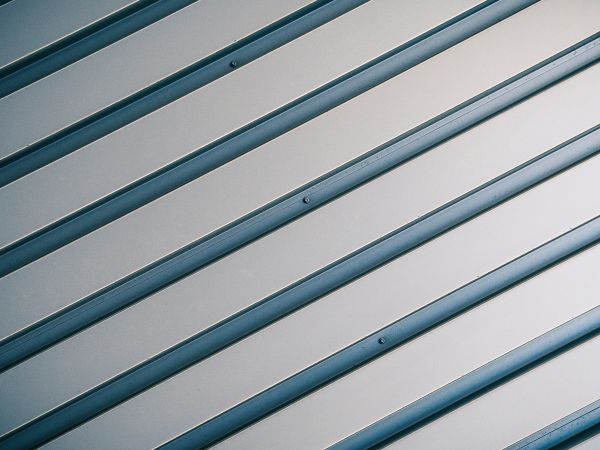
{"points": [[381, 340], [306, 199]]}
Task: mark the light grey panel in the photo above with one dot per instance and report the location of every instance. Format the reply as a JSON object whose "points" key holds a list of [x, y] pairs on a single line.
{"points": [[200, 300], [135, 240], [521, 407], [215, 110], [130, 65], [29, 25], [289, 345], [431, 361]]}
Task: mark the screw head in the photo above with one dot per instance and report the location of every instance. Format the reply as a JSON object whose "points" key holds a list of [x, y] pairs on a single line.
{"points": [[306, 199], [381, 340], [233, 64]]}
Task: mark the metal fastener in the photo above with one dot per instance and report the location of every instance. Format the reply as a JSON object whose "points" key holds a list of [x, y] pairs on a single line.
{"points": [[381, 340], [233, 64], [306, 199]]}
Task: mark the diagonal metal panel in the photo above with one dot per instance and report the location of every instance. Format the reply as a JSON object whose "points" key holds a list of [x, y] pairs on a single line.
{"points": [[178, 303], [171, 88], [259, 132], [299, 202], [187, 371], [84, 42], [562, 430], [46, 23], [389, 337], [498, 370]]}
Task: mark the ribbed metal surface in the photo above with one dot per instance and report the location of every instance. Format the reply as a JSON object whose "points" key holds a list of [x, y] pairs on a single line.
{"points": [[284, 224]]}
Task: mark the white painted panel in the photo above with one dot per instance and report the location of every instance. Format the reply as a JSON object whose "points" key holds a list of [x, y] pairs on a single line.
{"points": [[103, 257], [200, 300], [29, 25], [141, 59], [395, 290], [520, 407], [217, 109]]}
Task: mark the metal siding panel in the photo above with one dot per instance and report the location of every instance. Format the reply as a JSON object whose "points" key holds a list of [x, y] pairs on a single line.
{"points": [[230, 376], [103, 243], [429, 362], [486, 147], [224, 106], [46, 22], [139, 60], [233, 380], [364, 395], [532, 400]]}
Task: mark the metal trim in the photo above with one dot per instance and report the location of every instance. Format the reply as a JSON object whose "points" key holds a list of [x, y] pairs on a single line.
{"points": [[479, 379], [172, 87], [84, 42], [259, 315], [560, 431], [281, 211], [256, 133], [390, 337]]}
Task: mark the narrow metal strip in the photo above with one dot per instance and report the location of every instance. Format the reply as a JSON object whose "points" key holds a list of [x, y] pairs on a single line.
{"points": [[560, 431], [171, 88], [390, 337], [255, 134], [306, 198], [261, 314], [85, 42], [485, 376]]}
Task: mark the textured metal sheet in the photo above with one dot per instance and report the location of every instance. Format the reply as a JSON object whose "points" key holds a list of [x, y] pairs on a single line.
{"points": [[104, 243], [217, 109], [46, 22], [200, 391], [430, 362], [243, 366], [525, 404], [139, 60], [355, 212]]}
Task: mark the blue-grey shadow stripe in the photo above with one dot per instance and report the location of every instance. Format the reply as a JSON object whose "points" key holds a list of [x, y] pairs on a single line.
{"points": [[561, 430], [306, 198], [476, 381], [171, 88], [85, 42], [389, 337], [305, 291], [254, 134]]}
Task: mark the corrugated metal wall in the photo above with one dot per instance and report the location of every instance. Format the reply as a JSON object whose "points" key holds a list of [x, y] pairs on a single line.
{"points": [[284, 224]]}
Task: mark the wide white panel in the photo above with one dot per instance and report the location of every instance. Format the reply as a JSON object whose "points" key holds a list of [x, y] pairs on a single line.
{"points": [[29, 25], [103, 257], [288, 346], [433, 360], [520, 407], [164, 319], [215, 110], [137, 61]]}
